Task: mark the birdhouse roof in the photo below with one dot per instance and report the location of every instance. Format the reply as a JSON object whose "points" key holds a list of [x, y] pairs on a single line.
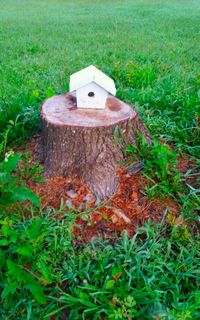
{"points": [[91, 74]]}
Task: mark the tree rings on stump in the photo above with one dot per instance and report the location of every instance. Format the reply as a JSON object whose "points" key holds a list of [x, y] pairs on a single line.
{"points": [[87, 143]]}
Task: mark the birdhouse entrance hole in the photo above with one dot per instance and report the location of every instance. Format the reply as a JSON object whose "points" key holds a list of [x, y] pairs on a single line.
{"points": [[91, 94]]}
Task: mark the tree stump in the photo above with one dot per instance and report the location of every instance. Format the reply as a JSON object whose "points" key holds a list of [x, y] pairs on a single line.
{"points": [[87, 143]]}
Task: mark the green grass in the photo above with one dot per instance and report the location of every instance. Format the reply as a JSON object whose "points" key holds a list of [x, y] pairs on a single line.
{"points": [[150, 276], [150, 48], [159, 167]]}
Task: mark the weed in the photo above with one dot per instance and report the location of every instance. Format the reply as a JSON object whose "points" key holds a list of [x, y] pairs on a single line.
{"points": [[11, 191], [159, 167], [3, 144], [29, 170], [179, 228]]}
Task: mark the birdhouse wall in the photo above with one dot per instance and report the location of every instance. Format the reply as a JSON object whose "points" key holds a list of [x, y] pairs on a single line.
{"points": [[91, 96]]}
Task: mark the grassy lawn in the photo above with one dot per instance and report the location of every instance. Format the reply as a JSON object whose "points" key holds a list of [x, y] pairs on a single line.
{"points": [[151, 49]]}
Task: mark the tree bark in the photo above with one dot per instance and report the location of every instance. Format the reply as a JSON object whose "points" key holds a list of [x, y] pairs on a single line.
{"points": [[87, 143]]}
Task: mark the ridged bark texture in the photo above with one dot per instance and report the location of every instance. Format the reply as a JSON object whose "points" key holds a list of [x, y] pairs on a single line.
{"points": [[88, 152]]}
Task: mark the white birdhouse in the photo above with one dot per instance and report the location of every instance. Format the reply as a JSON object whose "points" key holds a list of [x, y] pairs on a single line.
{"points": [[91, 87]]}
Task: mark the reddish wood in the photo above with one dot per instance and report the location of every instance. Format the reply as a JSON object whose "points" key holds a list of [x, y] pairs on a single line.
{"points": [[87, 143]]}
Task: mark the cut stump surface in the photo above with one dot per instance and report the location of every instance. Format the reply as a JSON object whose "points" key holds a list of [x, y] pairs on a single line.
{"points": [[87, 143]]}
